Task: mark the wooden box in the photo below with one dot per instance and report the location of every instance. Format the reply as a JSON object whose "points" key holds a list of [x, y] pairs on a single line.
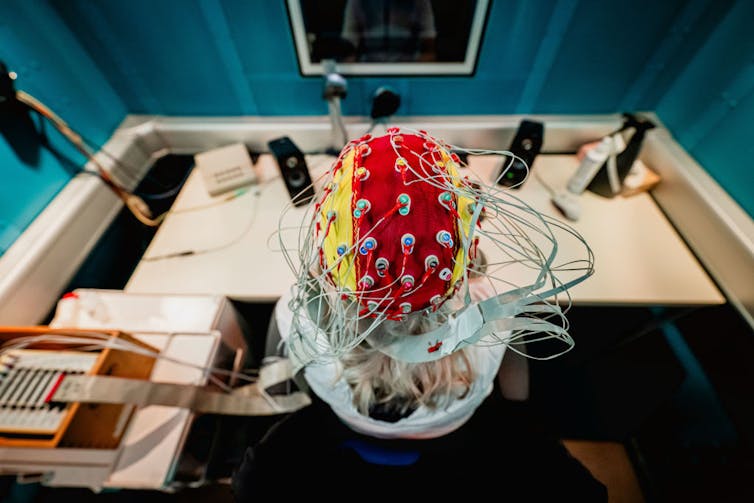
{"points": [[97, 426]]}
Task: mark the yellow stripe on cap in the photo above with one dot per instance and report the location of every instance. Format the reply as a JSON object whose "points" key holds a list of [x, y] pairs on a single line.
{"points": [[341, 230], [464, 226]]}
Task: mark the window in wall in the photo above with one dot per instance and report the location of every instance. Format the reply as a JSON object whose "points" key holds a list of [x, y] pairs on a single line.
{"points": [[388, 37]]}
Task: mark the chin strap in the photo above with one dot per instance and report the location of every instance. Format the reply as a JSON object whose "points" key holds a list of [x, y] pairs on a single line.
{"points": [[497, 318]]}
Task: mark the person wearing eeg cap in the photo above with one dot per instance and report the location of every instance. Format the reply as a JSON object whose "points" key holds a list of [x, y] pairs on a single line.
{"points": [[396, 322]]}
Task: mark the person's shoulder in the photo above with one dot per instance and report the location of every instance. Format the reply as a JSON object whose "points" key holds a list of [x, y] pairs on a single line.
{"points": [[486, 352]]}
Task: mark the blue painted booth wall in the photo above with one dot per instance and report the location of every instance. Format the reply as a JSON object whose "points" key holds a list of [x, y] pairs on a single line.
{"points": [[231, 57], [709, 106], [94, 61], [52, 66]]}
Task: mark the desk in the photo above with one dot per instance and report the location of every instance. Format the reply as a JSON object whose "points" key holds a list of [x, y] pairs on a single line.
{"points": [[639, 257]]}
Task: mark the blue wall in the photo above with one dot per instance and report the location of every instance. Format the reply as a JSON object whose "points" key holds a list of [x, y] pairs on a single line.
{"points": [[710, 105], [95, 60], [52, 66], [219, 57]]}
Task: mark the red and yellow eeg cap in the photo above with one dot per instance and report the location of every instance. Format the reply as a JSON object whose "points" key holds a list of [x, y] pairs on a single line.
{"points": [[394, 223]]}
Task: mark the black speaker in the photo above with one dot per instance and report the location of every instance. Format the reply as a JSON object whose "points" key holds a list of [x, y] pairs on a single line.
{"points": [[293, 167], [525, 146]]}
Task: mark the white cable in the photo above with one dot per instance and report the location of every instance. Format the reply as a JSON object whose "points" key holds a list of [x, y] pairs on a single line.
{"points": [[103, 341], [511, 225]]}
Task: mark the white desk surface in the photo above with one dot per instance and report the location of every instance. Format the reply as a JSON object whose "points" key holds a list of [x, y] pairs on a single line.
{"points": [[639, 257], [155, 436]]}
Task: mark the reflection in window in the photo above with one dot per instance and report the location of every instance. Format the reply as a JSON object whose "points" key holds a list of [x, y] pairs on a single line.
{"points": [[388, 30]]}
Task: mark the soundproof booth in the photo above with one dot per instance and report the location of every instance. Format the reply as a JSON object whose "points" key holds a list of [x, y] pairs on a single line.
{"points": [[253, 248]]}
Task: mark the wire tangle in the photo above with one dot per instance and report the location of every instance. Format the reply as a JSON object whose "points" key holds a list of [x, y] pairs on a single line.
{"points": [[459, 235]]}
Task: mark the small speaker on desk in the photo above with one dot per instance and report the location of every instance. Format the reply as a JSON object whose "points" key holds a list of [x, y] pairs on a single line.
{"points": [[293, 168], [525, 147]]}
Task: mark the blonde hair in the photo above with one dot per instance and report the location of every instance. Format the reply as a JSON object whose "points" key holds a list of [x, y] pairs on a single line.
{"points": [[396, 386], [400, 387]]}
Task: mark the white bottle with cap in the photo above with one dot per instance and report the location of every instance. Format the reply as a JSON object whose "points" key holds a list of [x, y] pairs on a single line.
{"points": [[590, 165]]}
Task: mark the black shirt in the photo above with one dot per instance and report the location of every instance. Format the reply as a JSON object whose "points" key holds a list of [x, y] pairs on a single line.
{"points": [[504, 447]]}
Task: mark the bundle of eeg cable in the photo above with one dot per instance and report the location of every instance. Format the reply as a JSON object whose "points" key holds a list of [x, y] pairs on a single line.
{"points": [[46, 373]]}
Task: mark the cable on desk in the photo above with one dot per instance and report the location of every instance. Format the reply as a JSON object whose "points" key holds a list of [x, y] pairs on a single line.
{"points": [[257, 192], [564, 201], [509, 159], [219, 202], [546, 185]]}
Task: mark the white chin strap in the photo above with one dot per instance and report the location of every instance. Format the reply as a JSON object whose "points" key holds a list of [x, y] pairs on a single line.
{"points": [[497, 317]]}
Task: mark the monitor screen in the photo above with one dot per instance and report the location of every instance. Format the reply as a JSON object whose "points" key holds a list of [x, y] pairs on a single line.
{"points": [[388, 37]]}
